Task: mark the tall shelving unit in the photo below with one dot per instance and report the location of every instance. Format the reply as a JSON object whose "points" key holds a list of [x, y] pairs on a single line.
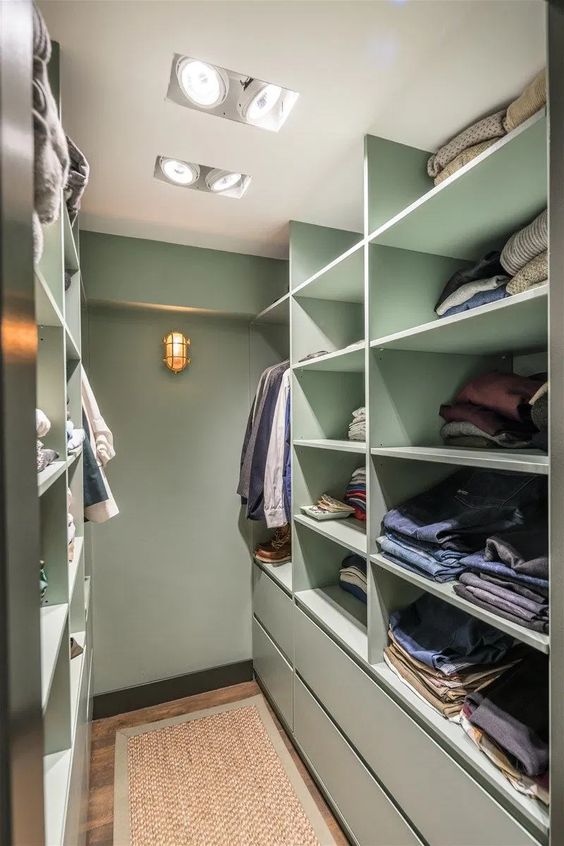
{"points": [[365, 302], [65, 682]]}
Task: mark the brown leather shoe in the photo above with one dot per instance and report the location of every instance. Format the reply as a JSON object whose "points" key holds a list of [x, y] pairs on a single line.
{"points": [[281, 536], [274, 556]]}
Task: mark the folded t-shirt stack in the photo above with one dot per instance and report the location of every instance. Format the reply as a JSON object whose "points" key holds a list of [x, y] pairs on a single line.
{"points": [[492, 410], [45, 456], [484, 282], [508, 721], [75, 438], [430, 533], [357, 427], [355, 493], [443, 654], [510, 576], [479, 136], [352, 576], [525, 257]]}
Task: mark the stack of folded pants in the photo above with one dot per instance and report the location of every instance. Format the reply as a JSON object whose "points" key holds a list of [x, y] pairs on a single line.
{"points": [[508, 721], [443, 654], [432, 532], [355, 493], [357, 427], [481, 283], [492, 410], [352, 576], [510, 576]]}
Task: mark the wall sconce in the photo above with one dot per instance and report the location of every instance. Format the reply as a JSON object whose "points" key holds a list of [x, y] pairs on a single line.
{"points": [[176, 349]]}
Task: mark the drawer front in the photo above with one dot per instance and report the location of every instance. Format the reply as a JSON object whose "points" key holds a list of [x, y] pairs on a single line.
{"points": [[273, 607], [273, 670], [443, 802], [371, 817]]}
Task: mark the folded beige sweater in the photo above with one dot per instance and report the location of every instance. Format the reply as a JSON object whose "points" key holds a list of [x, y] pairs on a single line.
{"points": [[483, 130], [462, 159], [530, 101], [533, 273]]}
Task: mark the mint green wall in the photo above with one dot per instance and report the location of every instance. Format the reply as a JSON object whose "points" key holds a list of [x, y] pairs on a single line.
{"points": [[172, 572], [138, 271]]}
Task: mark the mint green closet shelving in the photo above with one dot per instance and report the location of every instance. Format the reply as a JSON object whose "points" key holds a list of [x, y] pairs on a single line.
{"points": [[365, 301]]}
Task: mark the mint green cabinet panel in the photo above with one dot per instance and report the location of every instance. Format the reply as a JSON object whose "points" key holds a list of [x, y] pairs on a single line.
{"points": [[370, 816], [312, 247], [396, 176], [273, 607], [274, 671]]}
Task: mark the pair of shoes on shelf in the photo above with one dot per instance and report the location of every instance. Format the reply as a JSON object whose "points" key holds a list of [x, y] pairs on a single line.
{"points": [[278, 550]]}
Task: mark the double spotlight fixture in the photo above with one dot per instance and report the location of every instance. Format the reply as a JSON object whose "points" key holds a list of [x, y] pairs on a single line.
{"points": [[224, 93]]}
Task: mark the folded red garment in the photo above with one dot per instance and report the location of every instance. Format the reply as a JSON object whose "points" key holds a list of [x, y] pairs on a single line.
{"points": [[483, 418], [505, 393]]}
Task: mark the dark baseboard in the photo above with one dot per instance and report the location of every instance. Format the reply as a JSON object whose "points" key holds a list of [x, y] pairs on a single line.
{"points": [[157, 693]]}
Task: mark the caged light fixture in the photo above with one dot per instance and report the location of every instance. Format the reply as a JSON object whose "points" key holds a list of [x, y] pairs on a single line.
{"points": [[225, 93], [212, 180], [176, 349]]}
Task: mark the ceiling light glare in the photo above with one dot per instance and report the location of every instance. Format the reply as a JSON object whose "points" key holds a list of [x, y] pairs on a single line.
{"points": [[181, 173], [203, 84], [222, 180], [263, 102]]}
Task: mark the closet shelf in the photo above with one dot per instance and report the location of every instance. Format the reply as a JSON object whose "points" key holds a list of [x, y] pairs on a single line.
{"points": [[341, 613], [452, 737], [330, 443], [515, 323], [76, 672], [480, 205], [518, 461], [71, 253], [56, 774], [342, 280], [278, 312], [87, 595], [71, 349], [47, 312], [445, 591], [74, 564], [350, 533], [282, 573], [52, 620], [348, 360], [50, 475]]}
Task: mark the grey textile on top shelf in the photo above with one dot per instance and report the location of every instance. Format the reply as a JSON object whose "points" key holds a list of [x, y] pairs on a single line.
{"points": [[483, 130], [77, 180], [525, 244]]}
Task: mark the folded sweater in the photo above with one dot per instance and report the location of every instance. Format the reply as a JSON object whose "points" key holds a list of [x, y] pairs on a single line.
{"points": [[483, 130], [525, 244]]}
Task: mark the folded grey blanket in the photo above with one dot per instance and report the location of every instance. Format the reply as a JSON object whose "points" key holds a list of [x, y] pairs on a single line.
{"points": [[51, 157], [467, 291], [483, 130], [525, 244], [462, 433], [77, 180]]}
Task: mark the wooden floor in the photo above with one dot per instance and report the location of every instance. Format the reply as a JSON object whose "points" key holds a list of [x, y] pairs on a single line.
{"points": [[101, 800]]}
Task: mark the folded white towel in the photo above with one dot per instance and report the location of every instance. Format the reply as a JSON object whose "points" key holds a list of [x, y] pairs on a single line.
{"points": [[42, 423]]}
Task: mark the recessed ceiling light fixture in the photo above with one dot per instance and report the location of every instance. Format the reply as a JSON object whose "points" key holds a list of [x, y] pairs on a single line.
{"points": [[225, 93], [211, 180]]}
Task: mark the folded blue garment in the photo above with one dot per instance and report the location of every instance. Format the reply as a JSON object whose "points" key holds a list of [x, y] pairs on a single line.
{"points": [[443, 567], [480, 564], [354, 589], [445, 638], [479, 299]]}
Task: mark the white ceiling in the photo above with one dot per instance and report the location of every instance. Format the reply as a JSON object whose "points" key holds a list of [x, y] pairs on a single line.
{"points": [[415, 71]]}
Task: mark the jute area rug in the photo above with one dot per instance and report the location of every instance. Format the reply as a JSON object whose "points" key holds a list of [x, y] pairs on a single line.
{"points": [[217, 777]]}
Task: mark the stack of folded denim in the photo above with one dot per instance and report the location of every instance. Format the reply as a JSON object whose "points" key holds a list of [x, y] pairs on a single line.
{"points": [[510, 576], [431, 533], [482, 283], [355, 493], [352, 576], [492, 410], [357, 427], [443, 654], [508, 721]]}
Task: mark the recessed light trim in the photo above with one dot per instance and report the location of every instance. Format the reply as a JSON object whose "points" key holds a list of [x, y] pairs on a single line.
{"points": [[222, 180], [202, 86], [199, 177], [179, 172]]}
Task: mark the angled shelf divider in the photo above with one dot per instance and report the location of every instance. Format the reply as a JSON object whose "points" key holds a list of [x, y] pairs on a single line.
{"points": [[331, 443], [341, 614], [349, 533], [347, 360], [278, 312], [53, 619], [518, 461]]}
